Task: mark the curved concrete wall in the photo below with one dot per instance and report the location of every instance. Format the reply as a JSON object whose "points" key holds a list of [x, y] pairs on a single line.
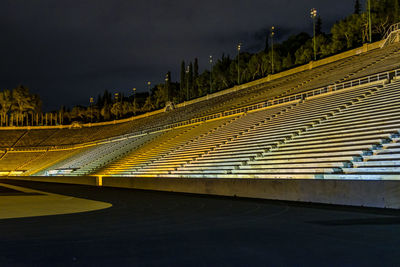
{"points": [[81, 180], [379, 193], [371, 193]]}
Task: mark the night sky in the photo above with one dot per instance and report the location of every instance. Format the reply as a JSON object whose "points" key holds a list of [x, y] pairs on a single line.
{"points": [[68, 51]]}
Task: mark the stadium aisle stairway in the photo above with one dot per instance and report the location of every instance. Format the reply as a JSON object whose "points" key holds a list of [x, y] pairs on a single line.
{"points": [[260, 146], [47, 159], [92, 158], [27, 162], [12, 161], [383, 160]]}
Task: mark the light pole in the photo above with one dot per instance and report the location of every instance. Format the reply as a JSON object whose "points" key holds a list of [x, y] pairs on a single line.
{"points": [[91, 109], [211, 67], [314, 16], [238, 49], [134, 101], [187, 83], [148, 85], [166, 86], [272, 48]]}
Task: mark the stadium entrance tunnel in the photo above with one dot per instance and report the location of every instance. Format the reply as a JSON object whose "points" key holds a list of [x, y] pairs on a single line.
{"points": [[361, 193]]}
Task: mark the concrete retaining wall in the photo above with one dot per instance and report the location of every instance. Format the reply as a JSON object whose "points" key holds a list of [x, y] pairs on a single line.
{"points": [[81, 180], [379, 193]]}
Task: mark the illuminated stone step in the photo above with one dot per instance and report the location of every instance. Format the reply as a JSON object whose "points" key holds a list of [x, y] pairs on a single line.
{"points": [[168, 161], [355, 120], [388, 151], [242, 151], [289, 170], [263, 137], [221, 159], [391, 145], [293, 121], [315, 150], [312, 155], [259, 139], [206, 141], [362, 176], [209, 171], [245, 145], [246, 176], [354, 127], [153, 169], [201, 169], [310, 141], [379, 105], [351, 133], [363, 113], [230, 155], [300, 145], [201, 146], [297, 119], [390, 122], [187, 154], [380, 94], [365, 120], [373, 170], [298, 160], [144, 175], [215, 136], [173, 159], [278, 123], [163, 164], [292, 146], [200, 164], [373, 163], [362, 108], [377, 101], [309, 164], [184, 154], [285, 131], [382, 157], [343, 137], [167, 164], [320, 110]]}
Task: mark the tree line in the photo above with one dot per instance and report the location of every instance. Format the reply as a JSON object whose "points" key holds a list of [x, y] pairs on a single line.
{"points": [[225, 72]]}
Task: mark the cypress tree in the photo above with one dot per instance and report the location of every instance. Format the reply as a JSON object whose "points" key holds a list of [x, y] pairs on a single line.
{"points": [[266, 48], [168, 86], [190, 81], [357, 7], [195, 77], [182, 86]]}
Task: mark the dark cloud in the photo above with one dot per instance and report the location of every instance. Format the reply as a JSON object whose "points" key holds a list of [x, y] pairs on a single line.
{"points": [[68, 51]]}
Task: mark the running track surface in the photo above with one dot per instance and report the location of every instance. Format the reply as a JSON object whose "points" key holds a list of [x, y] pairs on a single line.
{"points": [[145, 228]]}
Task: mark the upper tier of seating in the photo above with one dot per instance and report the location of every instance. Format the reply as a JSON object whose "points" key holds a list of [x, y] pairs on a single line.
{"points": [[350, 68]]}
